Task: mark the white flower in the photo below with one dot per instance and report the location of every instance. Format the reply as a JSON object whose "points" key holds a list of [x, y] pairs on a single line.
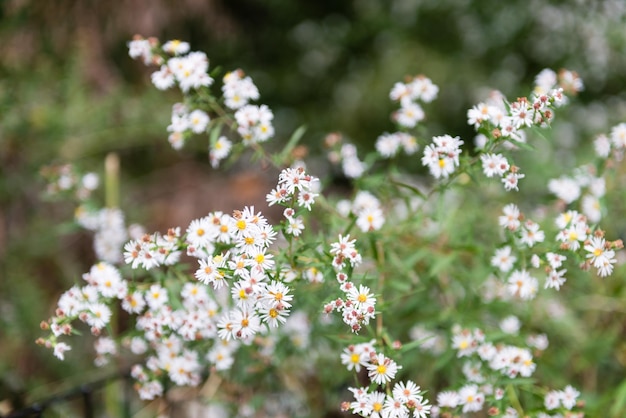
{"points": [[198, 121], [522, 284], [448, 399], [503, 259], [511, 217], [552, 400], [568, 397], [156, 297], [510, 325], [602, 146], [60, 349], [370, 219], [618, 136], [471, 399], [382, 369], [565, 189], [494, 164], [409, 114]]}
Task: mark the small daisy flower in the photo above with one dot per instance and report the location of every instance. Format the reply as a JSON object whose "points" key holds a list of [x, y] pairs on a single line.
{"points": [[60, 349], [354, 358], [511, 217], [382, 369], [503, 259], [522, 285], [471, 398]]}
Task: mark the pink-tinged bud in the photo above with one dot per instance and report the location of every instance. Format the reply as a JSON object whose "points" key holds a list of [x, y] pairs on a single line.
{"points": [[397, 345], [44, 325], [95, 331]]}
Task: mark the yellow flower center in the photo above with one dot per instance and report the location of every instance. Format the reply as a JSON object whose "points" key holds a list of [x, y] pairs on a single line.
{"points": [[597, 252], [381, 369], [362, 297], [377, 406], [241, 224], [273, 313], [442, 163], [355, 358], [200, 232], [245, 322]]}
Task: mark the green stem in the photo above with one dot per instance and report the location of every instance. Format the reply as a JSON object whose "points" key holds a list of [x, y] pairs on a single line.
{"points": [[112, 180]]}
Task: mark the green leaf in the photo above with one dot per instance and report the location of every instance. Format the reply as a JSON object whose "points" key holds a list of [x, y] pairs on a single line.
{"points": [[522, 145], [414, 344], [408, 186], [619, 406], [291, 144], [442, 263], [215, 132]]}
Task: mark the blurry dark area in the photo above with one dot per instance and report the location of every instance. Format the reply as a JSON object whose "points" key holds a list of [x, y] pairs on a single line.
{"points": [[70, 92]]}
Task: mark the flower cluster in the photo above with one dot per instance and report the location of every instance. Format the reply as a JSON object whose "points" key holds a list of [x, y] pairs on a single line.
{"points": [[505, 122], [189, 71], [184, 123], [65, 178], [442, 155], [153, 250], [89, 304], [388, 145], [574, 236], [487, 365], [254, 123], [497, 165], [294, 187], [358, 305], [584, 185], [243, 291], [565, 399], [366, 208], [110, 231], [419, 88], [405, 399], [238, 89]]}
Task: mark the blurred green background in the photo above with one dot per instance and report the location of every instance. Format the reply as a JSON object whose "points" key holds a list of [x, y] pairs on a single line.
{"points": [[69, 92]]}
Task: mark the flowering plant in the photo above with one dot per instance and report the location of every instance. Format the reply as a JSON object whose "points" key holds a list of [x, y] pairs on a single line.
{"points": [[395, 280]]}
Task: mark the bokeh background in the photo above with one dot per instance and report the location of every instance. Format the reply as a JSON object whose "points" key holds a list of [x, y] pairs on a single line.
{"points": [[69, 92]]}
